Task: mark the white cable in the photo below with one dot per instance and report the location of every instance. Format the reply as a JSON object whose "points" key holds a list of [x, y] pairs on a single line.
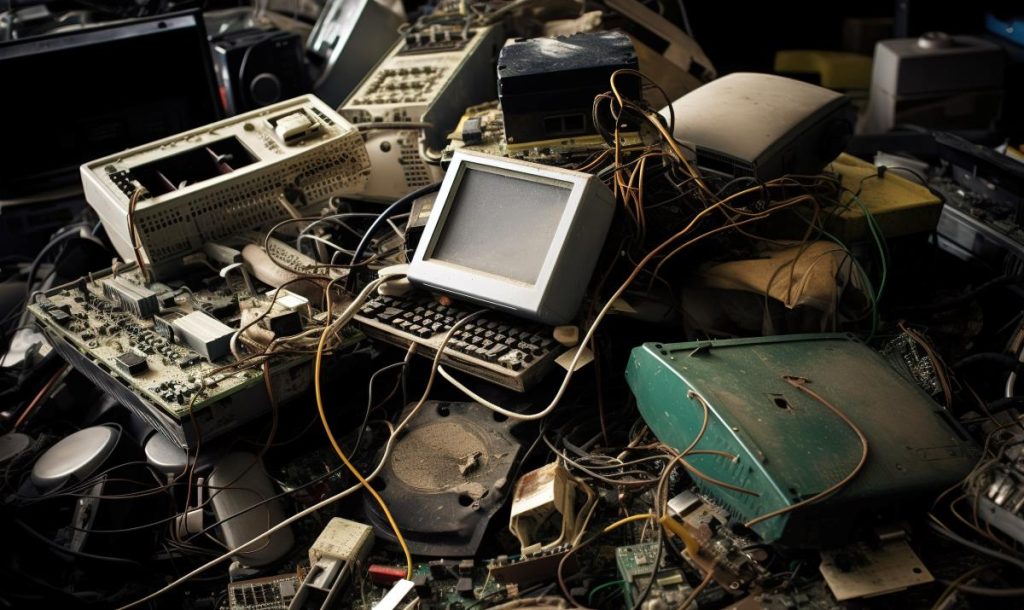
{"points": [[400, 233], [297, 516], [326, 242], [571, 369], [342, 494], [1011, 381], [568, 373], [336, 218]]}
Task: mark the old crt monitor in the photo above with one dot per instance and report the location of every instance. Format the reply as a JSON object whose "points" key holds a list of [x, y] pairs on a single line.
{"points": [[80, 95], [514, 236]]}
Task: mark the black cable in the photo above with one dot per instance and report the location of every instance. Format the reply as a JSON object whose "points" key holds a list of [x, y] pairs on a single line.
{"points": [[1004, 362], [369, 403], [985, 591], [388, 212], [654, 570], [270, 499], [83, 555], [1003, 404], [984, 550], [58, 239]]}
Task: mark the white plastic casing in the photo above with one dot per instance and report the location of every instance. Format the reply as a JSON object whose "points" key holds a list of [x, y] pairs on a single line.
{"points": [[564, 272], [330, 162]]}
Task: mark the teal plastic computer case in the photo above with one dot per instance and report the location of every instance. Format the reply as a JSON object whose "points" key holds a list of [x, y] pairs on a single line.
{"points": [[789, 446]]}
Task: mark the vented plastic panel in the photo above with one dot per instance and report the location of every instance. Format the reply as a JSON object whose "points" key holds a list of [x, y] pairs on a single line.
{"points": [[417, 174], [329, 161], [249, 202]]}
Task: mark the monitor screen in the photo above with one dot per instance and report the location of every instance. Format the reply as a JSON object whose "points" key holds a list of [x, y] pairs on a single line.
{"points": [[514, 235], [80, 95], [501, 224]]}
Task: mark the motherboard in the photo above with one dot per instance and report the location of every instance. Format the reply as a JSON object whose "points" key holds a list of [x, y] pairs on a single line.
{"points": [[166, 351]]}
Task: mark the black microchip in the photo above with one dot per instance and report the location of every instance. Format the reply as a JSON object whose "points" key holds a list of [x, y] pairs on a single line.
{"points": [[60, 316], [132, 363], [285, 324], [472, 132], [421, 582], [438, 568], [464, 586]]}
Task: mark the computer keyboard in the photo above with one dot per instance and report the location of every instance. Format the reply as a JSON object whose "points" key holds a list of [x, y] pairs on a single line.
{"points": [[507, 351]]}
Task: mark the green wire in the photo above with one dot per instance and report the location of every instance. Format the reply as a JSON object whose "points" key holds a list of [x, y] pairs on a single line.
{"points": [[590, 596], [876, 232], [883, 255], [867, 280]]}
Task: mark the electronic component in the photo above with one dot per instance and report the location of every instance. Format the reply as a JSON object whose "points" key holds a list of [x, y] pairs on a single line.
{"points": [[136, 298], [531, 567], [907, 356], [789, 446], [446, 477], [547, 85], [205, 334], [813, 595], [296, 127], [259, 67], [349, 37], [442, 584], [385, 575], [164, 456], [936, 81], [863, 570], [983, 215], [132, 363], [430, 76], [75, 457], [515, 236], [181, 393], [761, 125], [223, 179], [712, 546], [999, 488], [501, 349], [636, 568], [172, 88], [482, 129], [280, 264], [545, 494], [338, 550], [898, 205], [269, 593], [237, 483], [343, 540]]}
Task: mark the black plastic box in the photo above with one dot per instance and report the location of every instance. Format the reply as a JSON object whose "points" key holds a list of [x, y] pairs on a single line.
{"points": [[256, 68], [547, 86]]}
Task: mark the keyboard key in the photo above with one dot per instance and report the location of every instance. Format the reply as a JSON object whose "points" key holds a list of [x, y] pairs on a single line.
{"points": [[388, 314], [496, 350]]}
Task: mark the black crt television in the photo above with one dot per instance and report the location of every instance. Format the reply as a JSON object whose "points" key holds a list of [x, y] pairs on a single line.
{"points": [[74, 96]]}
